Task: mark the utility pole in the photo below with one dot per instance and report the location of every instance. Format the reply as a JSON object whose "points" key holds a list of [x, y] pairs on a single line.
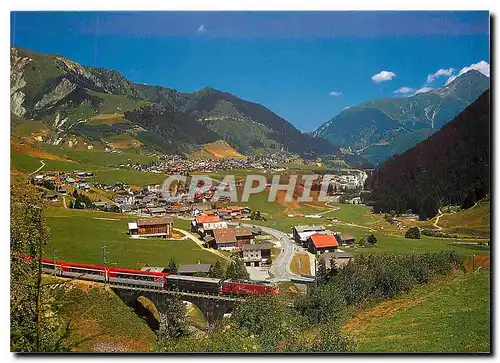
{"points": [[54, 254], [315, 271], [104, 253]]}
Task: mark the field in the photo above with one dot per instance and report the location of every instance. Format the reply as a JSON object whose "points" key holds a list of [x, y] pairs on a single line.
{"points": [[301, 264], [358, 221], [218, 149], [451, 314], [78, 236]]}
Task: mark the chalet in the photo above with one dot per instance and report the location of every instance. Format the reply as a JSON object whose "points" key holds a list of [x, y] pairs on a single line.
{"points": [[51, 197], [346, 240], [321, 243], [302, 233], [229, 238], [157, 212], [197, 223], [155, 227], [340, 259], [254, 254], [208, 228], [197, 269]]}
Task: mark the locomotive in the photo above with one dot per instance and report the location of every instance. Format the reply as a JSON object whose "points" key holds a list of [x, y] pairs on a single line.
{"points": [[159, 280]]}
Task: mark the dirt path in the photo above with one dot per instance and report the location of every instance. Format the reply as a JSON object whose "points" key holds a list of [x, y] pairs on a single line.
{"points": [[437, 220], [200, 243]]}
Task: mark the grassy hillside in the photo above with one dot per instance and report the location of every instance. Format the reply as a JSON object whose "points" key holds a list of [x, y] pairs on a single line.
{"points": [[102, 322], [221, 149], [474, 221], [448, 315]]}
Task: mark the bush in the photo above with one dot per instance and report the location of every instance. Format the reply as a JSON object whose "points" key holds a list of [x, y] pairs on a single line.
{"points": [[413, 233], [372, 239]]}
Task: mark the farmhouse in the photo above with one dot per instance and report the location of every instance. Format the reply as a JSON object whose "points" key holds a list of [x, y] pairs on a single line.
{"points": [[256, 253], [197, 223], [321, 243], [346, 240], [197, 269], [208, 228], [340, 259], [302, 233], [229, 238], [157, 212], [155, 227]]}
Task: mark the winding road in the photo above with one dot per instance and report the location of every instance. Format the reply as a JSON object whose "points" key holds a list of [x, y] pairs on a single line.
{"points": [[40, 168], [280, 269]]}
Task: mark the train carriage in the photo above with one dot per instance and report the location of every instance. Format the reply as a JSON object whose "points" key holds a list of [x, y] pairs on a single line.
{"points": [[136, 277], [75, 270], [245, 287], [193, 284]]}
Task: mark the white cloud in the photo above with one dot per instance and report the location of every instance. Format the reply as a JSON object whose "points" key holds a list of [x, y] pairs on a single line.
{"points": [[202, 28], [383, 76], [482, 66], [440, 72], [335, 93], [404, 90], [423, 90]]}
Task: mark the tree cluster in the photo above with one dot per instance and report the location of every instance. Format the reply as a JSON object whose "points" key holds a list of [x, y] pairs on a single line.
{"points": [[35, 325]]}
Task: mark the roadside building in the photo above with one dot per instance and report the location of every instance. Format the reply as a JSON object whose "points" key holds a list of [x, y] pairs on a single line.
{"points": [[322, 243], [197, 223], [229, 238], [208, 228], [155, 227], [302, 233], [254, 254], [196, 269], [339, 258]]}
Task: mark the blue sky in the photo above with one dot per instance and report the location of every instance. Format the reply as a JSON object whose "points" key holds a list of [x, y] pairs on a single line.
{"points": [[306, 67]]}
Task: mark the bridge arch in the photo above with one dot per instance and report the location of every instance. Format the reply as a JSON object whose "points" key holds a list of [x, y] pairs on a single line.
{"points": [[213, 308]]}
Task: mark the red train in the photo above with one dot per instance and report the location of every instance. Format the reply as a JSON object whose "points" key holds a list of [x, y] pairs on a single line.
{"points": [[160, 280]]}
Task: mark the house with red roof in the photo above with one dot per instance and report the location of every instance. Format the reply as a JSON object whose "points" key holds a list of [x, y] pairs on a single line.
{"points": [[322, 243]]}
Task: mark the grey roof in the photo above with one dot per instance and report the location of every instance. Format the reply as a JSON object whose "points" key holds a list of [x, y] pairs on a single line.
{"points": [[153, 269], [309, 228], [335, 255], [256, 246], [201, 267]]}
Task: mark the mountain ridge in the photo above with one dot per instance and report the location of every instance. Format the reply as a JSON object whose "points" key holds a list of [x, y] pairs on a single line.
{"points": [[377, 129], [68, 96]]}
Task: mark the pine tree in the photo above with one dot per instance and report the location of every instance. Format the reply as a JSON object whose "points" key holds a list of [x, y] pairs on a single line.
{"points": [[230, 271], [216, 271], [172, 266], [321, 272]]}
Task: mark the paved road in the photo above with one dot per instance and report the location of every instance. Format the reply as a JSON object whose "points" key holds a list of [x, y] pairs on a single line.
{"points": [[40, 168], [280, 268]]}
